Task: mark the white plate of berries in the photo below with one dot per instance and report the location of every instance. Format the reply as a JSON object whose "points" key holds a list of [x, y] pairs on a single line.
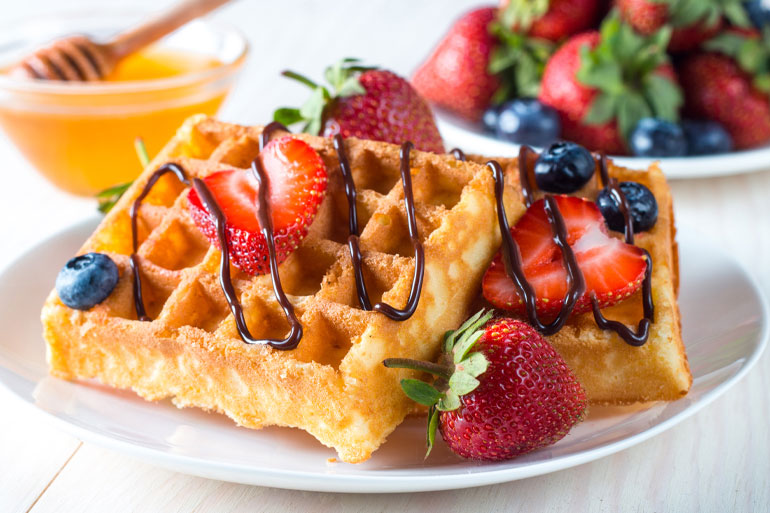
{"points": [[682, 83], [725, 329]]}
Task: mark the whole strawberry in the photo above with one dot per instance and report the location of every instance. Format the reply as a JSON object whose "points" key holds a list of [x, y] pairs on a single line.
{"points": [[501, 391], [553, 20], [367, 103], [693, 22], [731, 85], [603, 83], [456, 75]]}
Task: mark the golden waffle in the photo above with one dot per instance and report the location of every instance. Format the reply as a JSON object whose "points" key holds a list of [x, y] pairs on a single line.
{"points": [[334, 384], [610, 370]]}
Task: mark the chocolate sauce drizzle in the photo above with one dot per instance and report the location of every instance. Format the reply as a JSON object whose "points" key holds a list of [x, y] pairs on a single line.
{"points": [[225, 280], [576, 285], [642, 333], [526, 186], [141, 312], [266, 225], [353, 240], [575, 280], [458, 154]]}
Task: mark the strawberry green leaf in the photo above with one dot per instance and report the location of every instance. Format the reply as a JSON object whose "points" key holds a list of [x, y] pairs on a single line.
{"points": [[518, 61], [728, 43], [663, 96], [603, 109], [762, 82], [624, 68], [350, 87], [300, 78], [470, 334], [450, 401], [465, 344], [475, 364], [432, 426], [312, 111], [420, 392], [736, 13], [604, 74], [631, 109], [287, 116], [522, 13], [462, 383]]}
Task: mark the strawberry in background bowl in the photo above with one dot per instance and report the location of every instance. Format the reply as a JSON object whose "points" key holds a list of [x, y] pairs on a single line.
{"points": [[611, 81]]}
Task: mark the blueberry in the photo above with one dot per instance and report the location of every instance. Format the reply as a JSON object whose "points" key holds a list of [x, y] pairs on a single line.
{"points": [[489, 119], [527, 121], [758, 12], [706, 137], [564, 167], [644, 208], [86, 280], [657, 138]]}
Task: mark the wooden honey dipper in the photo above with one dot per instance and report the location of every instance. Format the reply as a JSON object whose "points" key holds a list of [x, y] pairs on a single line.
{"points": [[78, 58]]}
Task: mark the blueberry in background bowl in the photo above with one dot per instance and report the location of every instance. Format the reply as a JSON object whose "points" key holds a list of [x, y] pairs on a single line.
{"points": [[657, 138], [564, 167], [706, 137], [527, 121]]}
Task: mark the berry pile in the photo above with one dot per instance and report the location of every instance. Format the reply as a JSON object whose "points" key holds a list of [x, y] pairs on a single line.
{"points": [[653, 78]]}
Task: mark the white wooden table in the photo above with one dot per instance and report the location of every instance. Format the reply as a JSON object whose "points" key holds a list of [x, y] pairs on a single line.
{"points": [[718, 460]]}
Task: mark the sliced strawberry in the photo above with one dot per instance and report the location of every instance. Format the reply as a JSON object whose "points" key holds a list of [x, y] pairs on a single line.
{"points": [[613, 270], [297, 180]]}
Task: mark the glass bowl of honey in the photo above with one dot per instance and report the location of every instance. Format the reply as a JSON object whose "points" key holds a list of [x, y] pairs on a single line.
{"points": [[81, 136]]}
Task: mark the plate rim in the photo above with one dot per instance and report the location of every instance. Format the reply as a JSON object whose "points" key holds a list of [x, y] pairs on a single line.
{"points": [[376, 482], [740, 162]]}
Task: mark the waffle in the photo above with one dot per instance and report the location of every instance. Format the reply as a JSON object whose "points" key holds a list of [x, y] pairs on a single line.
{"points": [[611, 371], [333, 385]]}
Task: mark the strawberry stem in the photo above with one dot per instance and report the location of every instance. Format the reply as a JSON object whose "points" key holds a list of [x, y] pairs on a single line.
{"points": [[300, 78], [407, 363]]}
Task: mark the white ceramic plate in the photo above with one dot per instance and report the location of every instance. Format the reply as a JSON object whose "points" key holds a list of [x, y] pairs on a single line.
{"points": [[471, 138], [725, 329]]}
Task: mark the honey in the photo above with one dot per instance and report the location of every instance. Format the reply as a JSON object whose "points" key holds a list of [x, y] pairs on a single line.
{"points": [[81, 136]]}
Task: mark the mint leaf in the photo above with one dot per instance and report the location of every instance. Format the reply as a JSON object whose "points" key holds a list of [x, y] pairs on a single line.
{"points": [[287, 116], [420, 392]]}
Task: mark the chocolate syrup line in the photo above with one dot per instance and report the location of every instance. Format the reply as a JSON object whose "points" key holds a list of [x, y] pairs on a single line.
{"points": [[458, 154], [526, 185], [141, 313], [611, 184], [225, 280], [638, 337], [642, 333], [513, 264], [353, 240], [268, 131]]}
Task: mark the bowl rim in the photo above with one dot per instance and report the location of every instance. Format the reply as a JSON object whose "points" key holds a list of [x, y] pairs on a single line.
{"points": [[52, 87]]}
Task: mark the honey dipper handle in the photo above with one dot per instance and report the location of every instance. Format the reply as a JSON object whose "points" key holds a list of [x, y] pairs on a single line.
{"points": [[150, 31]]}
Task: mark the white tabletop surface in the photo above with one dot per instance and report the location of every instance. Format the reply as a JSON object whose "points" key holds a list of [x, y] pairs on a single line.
{"points": [[718, 460]]}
